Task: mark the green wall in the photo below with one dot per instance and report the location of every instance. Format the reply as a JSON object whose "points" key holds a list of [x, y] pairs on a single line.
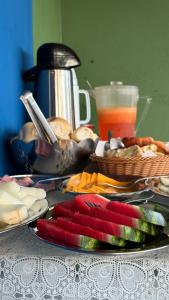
{"points": [[46, 22], [125, 40]]}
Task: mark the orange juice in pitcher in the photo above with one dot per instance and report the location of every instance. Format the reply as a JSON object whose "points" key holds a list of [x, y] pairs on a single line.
{"points": [[120, 121], [117, 109]]}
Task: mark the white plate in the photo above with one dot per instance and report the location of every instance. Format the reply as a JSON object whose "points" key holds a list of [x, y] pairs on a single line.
{"points": [[31, 218], [44, 206]]}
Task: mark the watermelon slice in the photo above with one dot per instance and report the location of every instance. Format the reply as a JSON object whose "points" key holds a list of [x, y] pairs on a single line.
{"points": [[60, 210], [90, 232], [65, 236], [137, 212], [118, 230], [105, 214], [63, 209], [69, 204], [82, 200]]}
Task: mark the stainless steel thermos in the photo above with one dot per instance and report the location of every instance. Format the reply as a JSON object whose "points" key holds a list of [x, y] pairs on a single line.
{"points": [[55, 84]]}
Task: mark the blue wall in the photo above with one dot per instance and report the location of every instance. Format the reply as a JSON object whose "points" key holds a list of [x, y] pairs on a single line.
{"points": [[16, 55]]}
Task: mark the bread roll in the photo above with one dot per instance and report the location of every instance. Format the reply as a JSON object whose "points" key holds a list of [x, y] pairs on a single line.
{"points": [[13, 214], [60, 127], [125, 152], [28, 133], [83, 133], [151, 147]]}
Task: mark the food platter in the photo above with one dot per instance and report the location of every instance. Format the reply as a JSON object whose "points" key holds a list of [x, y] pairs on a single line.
{"points": [[31, 217], [151, 244], [140, 187]]}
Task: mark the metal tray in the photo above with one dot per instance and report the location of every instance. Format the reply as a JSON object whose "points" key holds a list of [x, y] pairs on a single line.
{"points": [[153, 243], [144, 187], [47, 182], [44, 208]]}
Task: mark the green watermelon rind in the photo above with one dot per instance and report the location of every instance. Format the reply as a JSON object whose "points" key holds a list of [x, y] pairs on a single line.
{"points": [[88, 243], [147, 227], [113, 240], [153, 217], [84, 238], [131, 234], [138, 212], [125, 232]]}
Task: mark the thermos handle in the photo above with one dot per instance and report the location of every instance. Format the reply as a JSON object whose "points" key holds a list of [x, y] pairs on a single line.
{"points": [[31, 74], [145, 110], [88, 109]]}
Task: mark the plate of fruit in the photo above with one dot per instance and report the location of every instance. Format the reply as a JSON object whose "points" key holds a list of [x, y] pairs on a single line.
{"points": [[97, 183], [20, 203], [95, 225]]}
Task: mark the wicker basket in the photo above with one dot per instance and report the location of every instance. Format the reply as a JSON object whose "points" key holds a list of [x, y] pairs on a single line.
{"points": [[135, 166]]}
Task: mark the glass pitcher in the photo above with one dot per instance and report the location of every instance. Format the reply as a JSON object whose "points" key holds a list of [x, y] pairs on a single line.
{"points": [[116, 106]]}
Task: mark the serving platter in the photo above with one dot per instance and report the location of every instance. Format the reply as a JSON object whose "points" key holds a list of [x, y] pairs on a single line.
{"points": [[139, 188], [31, 217], [152, 243]]}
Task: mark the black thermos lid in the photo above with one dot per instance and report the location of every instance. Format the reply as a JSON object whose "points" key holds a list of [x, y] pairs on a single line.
{"points": [[53, 56]]}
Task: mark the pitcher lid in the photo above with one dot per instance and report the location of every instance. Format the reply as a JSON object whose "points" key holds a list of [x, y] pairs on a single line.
{"points": [[118, 87]]}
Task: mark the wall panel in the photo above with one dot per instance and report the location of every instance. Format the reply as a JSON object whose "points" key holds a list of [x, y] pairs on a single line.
{"points": [[15, 56], [126, 41]]}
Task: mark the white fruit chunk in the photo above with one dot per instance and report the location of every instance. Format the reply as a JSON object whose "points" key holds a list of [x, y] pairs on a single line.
{"points": [[10, 187], [13, 214], [37, 206], [8, 199], [165, 181], [28, 200], [163, 188], [35, 192]]}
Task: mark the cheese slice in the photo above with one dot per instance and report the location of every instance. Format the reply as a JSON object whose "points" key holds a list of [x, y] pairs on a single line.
{"points": [[13, 214]]}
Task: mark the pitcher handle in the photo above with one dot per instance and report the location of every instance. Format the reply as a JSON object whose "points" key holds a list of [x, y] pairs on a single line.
{"points": [[88, 108], [145, 111]]}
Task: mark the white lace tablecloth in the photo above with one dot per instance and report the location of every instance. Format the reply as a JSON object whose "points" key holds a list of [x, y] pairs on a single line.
{"points": [[31, 269]]}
